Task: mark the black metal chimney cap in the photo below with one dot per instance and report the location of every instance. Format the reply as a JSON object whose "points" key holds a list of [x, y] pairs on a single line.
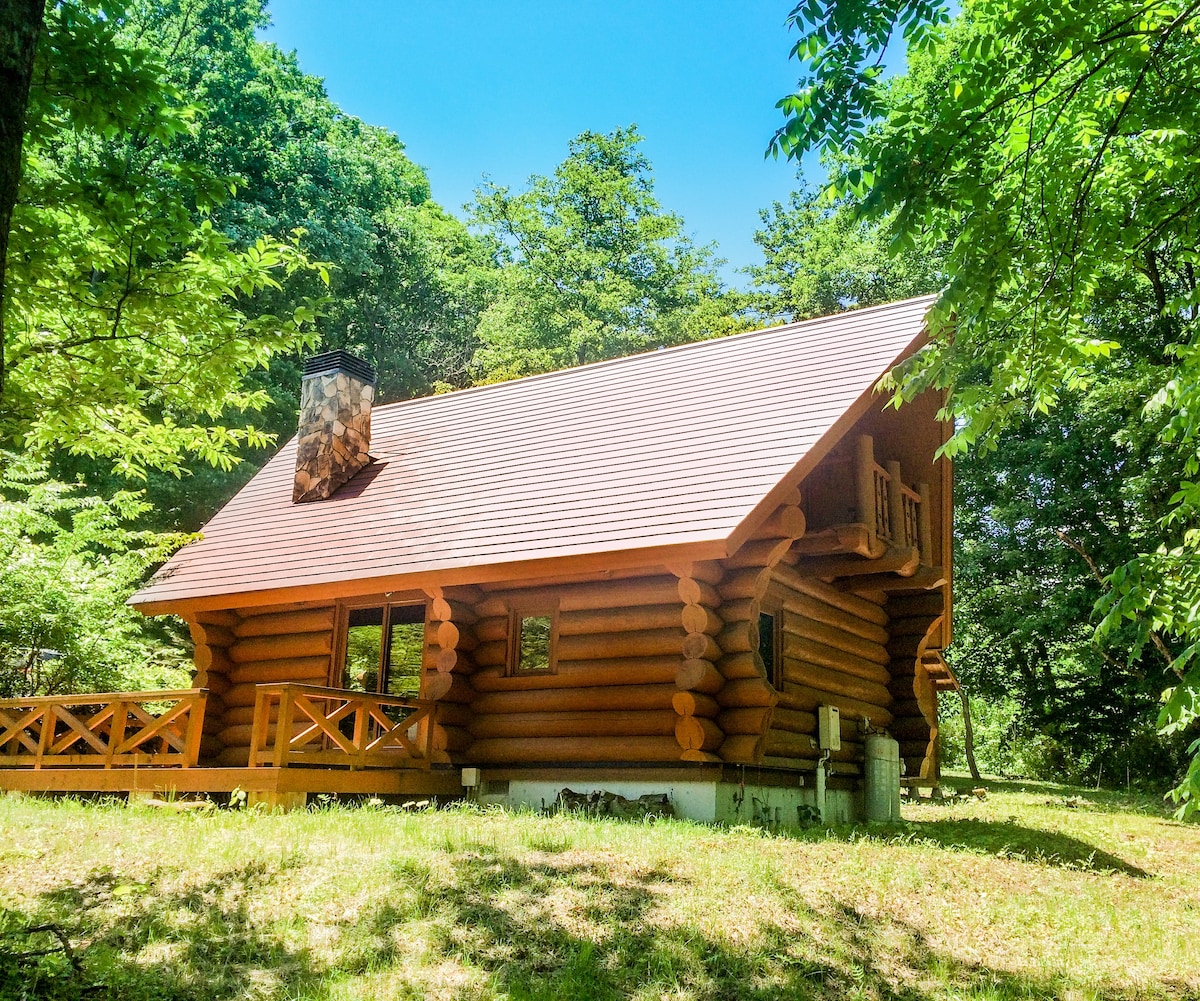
{"points": [[340, 361]]}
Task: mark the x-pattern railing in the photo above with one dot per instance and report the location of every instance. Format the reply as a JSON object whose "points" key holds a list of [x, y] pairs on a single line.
{"points": [[109, 729], [307, 724]]}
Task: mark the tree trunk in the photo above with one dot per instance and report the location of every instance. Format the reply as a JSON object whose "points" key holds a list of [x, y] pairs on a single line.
{"points": [[20, 25], [968, 735]]}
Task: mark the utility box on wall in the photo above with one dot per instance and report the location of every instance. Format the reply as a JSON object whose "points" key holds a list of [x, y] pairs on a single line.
{"points": [[829, 728]]}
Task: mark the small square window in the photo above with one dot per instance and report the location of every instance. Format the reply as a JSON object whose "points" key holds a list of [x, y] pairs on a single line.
{"points": [[533, 635]]}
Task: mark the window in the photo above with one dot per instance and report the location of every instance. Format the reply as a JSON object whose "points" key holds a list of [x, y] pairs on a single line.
{"points": [[385, 648], [532, 637], [769, 647]]}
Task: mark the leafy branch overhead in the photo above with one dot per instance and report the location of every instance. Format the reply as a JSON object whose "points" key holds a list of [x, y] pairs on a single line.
{"points": [[1051, 150]]}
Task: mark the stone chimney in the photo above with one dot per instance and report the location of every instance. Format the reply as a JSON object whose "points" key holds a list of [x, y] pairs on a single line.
{"points": [[335, 423]]}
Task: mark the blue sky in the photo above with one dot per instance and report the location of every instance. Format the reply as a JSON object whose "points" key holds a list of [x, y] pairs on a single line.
{"points": [[499, 89]]}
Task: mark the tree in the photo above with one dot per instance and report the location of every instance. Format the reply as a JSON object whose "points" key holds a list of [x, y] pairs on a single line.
{"points": [[593, 267], [1053, 146], [20, 26], [821, 258], [131, 320]]}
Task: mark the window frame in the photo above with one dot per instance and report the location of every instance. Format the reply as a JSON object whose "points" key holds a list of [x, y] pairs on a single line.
{"points": [[516, 614], [337, 662], [774, 670]]}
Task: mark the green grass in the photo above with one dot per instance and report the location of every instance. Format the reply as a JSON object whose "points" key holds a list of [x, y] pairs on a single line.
{"points": [[1038, 892]]}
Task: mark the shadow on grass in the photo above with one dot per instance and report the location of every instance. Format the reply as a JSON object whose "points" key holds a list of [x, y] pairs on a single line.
{"points": [[1003, 840], [485, 922]]}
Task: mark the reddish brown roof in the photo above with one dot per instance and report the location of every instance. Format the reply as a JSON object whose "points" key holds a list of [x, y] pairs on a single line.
{"points": [[675, 448]]}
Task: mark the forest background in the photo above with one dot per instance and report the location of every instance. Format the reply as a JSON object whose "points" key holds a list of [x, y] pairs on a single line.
{"points": [[195, 215]]}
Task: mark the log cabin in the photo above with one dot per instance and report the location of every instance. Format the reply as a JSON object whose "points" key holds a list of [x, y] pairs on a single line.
{"points": [[719, 571]]}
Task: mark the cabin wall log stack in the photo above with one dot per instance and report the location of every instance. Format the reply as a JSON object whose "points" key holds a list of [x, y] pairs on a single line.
{"points": [[212, 638], [449, 662], [291, 643], [915, 619], [747, 698], [697, 678], [609, 698]]}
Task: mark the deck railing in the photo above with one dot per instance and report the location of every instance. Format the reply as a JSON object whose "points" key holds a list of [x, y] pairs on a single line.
{"points": [[105, 730], [310, 725], [894, 513]]}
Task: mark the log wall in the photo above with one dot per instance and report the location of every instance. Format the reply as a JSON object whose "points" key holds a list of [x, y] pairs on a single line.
{"points": [[916, 621]]}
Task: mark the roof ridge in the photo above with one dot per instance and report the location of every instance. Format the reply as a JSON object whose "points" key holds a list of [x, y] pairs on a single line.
{"points": [[653, 352]]}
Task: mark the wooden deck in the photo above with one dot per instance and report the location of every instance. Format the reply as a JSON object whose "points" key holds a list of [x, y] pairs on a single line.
{"points": [[307, 740]]}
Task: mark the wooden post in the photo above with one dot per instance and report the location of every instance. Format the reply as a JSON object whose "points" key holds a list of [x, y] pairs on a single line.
{"points": [[283, 728], [895, 504], [924, 526], [195, 729], [116, 733], [864, 482], [258, 732], [362, 718], [46, 737]]}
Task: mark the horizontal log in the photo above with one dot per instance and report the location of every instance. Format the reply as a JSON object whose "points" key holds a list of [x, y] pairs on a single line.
{"points": [[241, 715], [614, 723], [643, 643], [744, 664], [598, 699], [450, 738], [910, 728], [853, 604], [747, 583], [691, 591], [313, 620], [491, 629], [759, 553], [240, 695], [287, 606], [785, 744], [697, 734], [739, 637], [584, 673], [741, 610], [794, 720], [271, 671], [701, 619], [754, 720], [828, 616], [746, 693], [493, 653], [905, 647], [220, 617], [453, 713], [211, 635], [445, 610], [694, 704], [216, 683], [239, 736], [785, 522], [836, 637], [554, 750], [791, 764], [281, 647], [698, 676], [446, 687], [624, 592], [916, 605], [912, 627], [826, 679], [741, 748], [619, 620], [701, 646], [907, 707], [708, 571], [237, 756], [798, 648], [805, 699], [211, 658], [210, 747]]}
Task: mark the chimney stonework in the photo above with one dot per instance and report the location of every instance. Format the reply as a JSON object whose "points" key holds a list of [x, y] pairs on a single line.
{"points": [[335, 423]]}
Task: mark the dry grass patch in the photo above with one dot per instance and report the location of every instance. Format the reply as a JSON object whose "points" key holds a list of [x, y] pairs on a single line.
{"points": [[1026, 895]]}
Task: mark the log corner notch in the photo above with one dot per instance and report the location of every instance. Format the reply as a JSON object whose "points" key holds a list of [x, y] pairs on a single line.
{"points": [[743, 696], [212, 636], [450, 642], [889, 545]]}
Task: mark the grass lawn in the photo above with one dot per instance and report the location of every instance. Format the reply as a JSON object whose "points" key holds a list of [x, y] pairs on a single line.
{"points": [[1029, 894]]}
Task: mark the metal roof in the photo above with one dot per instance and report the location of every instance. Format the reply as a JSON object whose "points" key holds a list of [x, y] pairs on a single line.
{"points": [[677, 449]]}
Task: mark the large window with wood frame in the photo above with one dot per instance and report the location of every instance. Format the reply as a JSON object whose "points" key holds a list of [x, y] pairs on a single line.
{"points": [[384, 650], [532, 639]]}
